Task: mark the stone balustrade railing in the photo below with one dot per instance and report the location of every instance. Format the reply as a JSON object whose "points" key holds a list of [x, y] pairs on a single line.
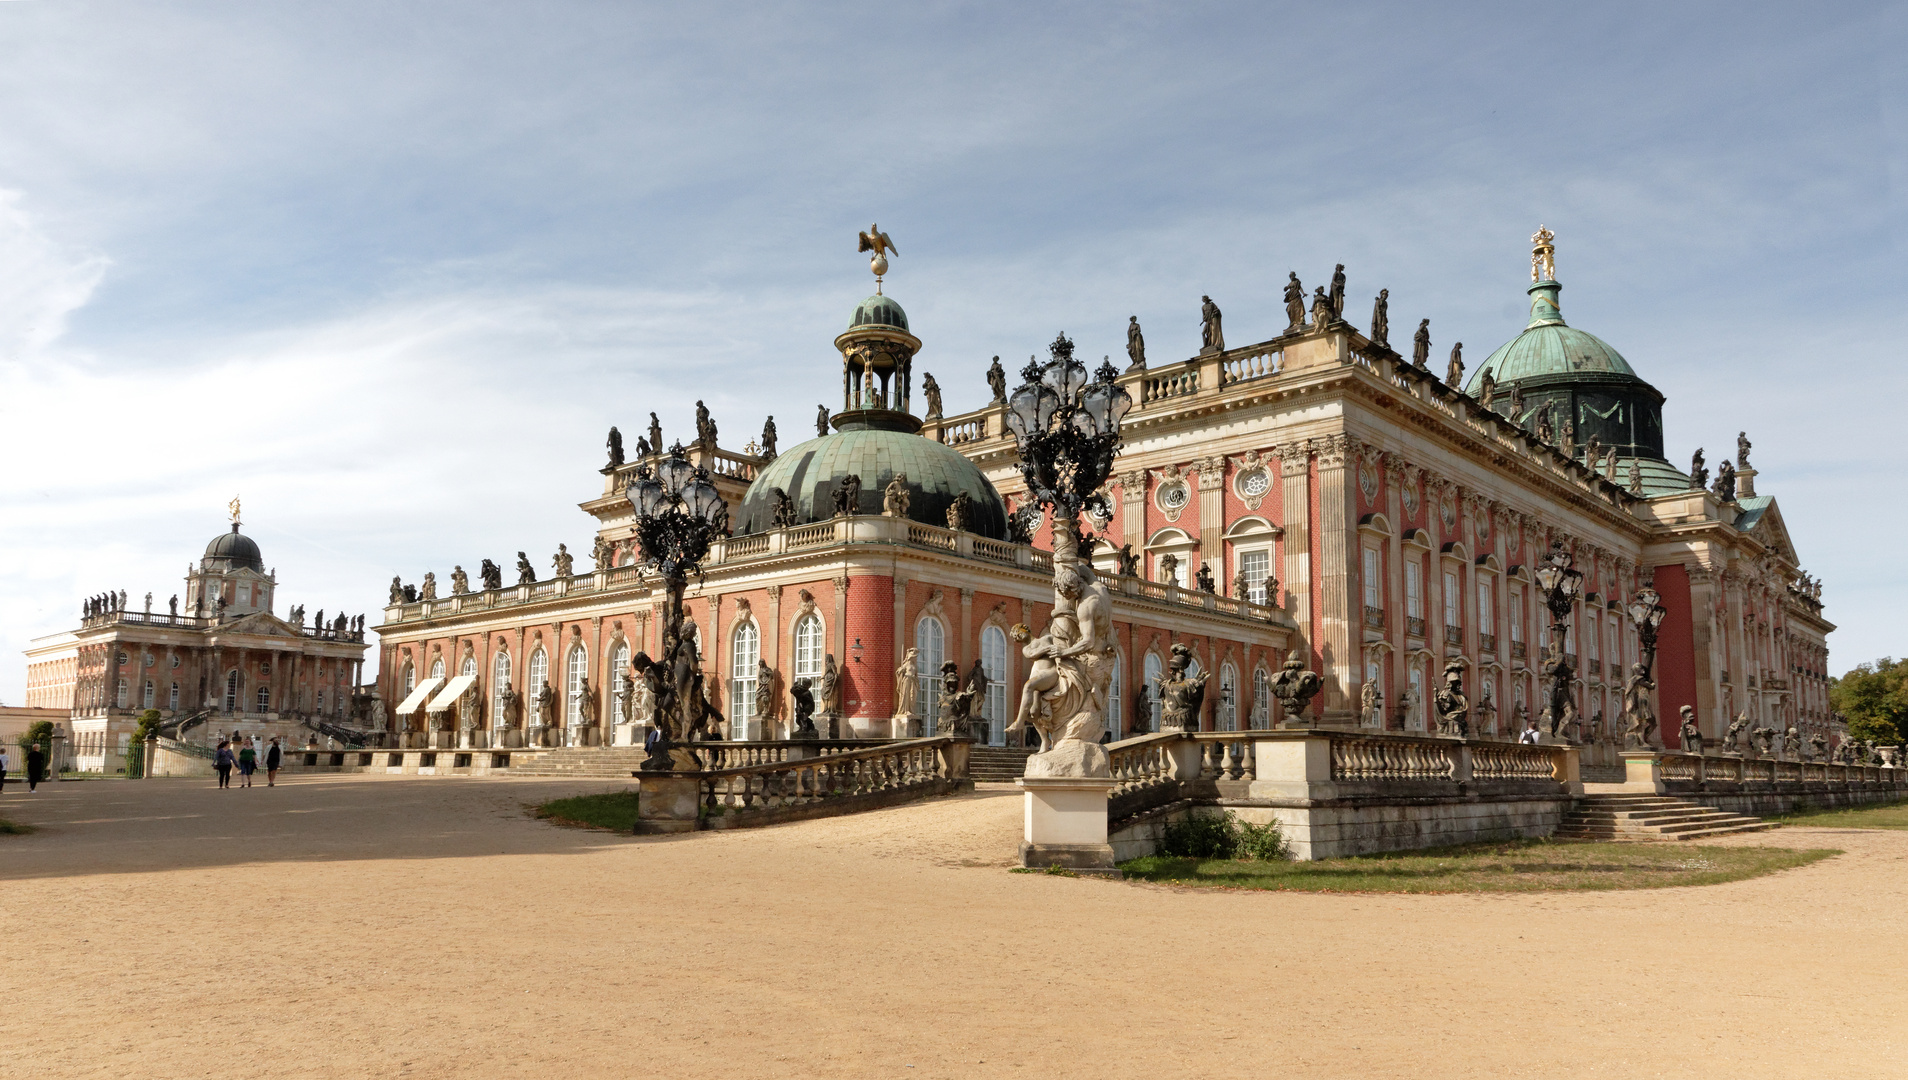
{"points": [[1674, 772], [1328, 766], [807, 782], [737, 754]]}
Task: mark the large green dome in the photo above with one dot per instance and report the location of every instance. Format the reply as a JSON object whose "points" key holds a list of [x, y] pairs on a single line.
{"points": [[1548, 347], [810, 472]]}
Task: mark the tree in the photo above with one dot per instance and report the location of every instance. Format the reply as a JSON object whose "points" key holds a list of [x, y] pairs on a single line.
{"points": [[1874, 698], [136, 749], [40, 732]]}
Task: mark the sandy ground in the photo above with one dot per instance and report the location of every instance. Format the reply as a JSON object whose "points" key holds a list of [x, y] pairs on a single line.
{"points": [[343, 927]]}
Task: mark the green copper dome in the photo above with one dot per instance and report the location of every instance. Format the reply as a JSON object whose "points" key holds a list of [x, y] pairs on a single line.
{"points": [[810, 472], [1548, 347], [879, 310]]}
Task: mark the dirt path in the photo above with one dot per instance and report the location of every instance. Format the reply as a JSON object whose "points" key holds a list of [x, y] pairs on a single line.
{"points": [[342, 927]]}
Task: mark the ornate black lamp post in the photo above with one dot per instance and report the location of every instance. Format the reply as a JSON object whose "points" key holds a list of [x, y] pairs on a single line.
{"points": [[1562, 586], [1067, 431], [678, 513], [1639, 713]]}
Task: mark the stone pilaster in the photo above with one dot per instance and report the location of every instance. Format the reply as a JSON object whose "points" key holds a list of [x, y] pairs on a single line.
{"points": [[1296, 494], [1133, 508], [1212, 518], [1337, 644]]}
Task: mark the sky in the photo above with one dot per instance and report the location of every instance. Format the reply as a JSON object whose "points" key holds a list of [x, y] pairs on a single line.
{"points": [[389, 272]]}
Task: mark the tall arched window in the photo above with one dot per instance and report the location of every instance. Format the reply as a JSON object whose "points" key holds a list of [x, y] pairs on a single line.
{"points": [[264, 699], [745, 648], [538, 674], [125, 689], [930, 643], [1415, 717], [578, 671], [1151, 670], [172, 698], [994, 662], [619, 680], [499, 679], [437, 668], [410, 679], [1115, 699], [1228, 698], [808, 649], [152, 693], [1261, 698], [232, 690]]}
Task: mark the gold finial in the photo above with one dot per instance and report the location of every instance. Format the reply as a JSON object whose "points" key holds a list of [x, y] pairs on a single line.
{"points": [[877, 241], [234, 507], [1543, 255]]}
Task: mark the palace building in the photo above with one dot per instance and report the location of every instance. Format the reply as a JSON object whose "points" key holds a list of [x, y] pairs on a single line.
{"points": [[224, 664], [1316, 491]]}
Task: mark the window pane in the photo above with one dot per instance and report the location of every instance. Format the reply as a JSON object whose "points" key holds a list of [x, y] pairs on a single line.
{"points": [[930, 641], [744, 652], [1257, 566], [579, 670], [1150, 670]]}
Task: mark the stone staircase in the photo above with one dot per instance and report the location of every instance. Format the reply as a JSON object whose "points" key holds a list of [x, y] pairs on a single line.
{"points": [[578, 762], [1651, 817], [996, 764]]}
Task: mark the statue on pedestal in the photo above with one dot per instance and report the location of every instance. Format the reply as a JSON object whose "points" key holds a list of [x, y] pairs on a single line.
{"points": [[543, 709], [848, 495], [1421, 346], [1371, 705], [997, 382], [563, 561], [1639, 713], [1181, 695], [1202, 578], [1212, 337], [1818, 744], [430, 587], [1742, 450], [615, 447], [1294, 303], [1169, 568], [1487, 390], [1322, 313], [526, 574], [767, 452], [1698, 472], [1765, 741], [957, 704], [1295, 686], [1135, 345], [1725, 482], [1486, 710], [460, 581], [1732, 739], [1454, 708], [1381, 319], [959, 512], [821, 420], [933, 391], [1692, 732], [1126, 561], [1338, 292], [1454, 371], [655, 435], [907, 684], [803, 723], [830, 700], [1241, 586], [397, 590], [490, 574], [1792, 742], [705, 427]]}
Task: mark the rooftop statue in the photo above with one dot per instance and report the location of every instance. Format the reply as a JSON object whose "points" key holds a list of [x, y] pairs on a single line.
{"points": [[397, 589], [1454, 371], [1421, 346], [997, 381], [526, 574], [848, 495], [1212, 336], [1543, 255], [615, 446], [491, 575], [1381, 318], [895, 497], [1127, 561], [821, 420], [1698, 472], [705, 427], [1636, 476], [1202, 578], [563, 561], [1135, 345], [1294, 302], [655, 435], [768, 451], [460, 581], [933, 391], [1322, 313], [1726, 481], [960, 512], [1487, 390], [1338, 292], [1517, 404], [878, 242], [1742, 450], [430, 586]]}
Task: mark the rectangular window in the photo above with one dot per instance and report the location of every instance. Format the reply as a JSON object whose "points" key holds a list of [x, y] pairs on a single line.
{"points": [[1515, 615], [1256, 566], [172, 698], [1453, 604], [1414, 589], [151, 693], [124, 689], [1374, 594], [244, 594], [1486, 610]]}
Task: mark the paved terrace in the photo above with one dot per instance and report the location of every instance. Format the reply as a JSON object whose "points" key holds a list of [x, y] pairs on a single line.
{"points": [[373, 926]]}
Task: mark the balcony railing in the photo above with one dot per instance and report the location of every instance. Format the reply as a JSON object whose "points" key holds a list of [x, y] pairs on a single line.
{"points": [[1374, 618], [1454, 635]]}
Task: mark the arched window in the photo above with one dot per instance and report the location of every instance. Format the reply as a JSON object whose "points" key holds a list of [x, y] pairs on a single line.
{"points": [[808, 648], [264, 699], [538, 674], [619, 680], [152, 693], [172, 698], [1151, 670], [1414, 718], [930, 643], [745, 648], [1116, 699], [410, 679], [499, 679], [125, 688], [994, 662], [437, 668], [1261, 698], [1228, 698], [578, 671], [232, 689]]}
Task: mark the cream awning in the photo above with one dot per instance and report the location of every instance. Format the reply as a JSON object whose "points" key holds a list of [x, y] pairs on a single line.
{"points": [[452, 691], [417, 696]]}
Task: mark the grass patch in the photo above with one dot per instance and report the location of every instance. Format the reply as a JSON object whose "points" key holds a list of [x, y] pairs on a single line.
{"points": [[1892, 815], [1525, 866], [8, 828], [614, 810]]}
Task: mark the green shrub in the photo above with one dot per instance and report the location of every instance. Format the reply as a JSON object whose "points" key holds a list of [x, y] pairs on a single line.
{"points": [[1223, 838], [136, 749]]}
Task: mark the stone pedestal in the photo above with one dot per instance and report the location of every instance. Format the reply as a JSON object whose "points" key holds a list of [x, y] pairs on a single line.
{"points": [[667, 803], [1643, 771], [1066, 823]]}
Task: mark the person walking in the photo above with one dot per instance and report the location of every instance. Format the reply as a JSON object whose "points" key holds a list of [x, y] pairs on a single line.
{"points": [[36, 763], [5, 764], [247, 763], [274, 758], [1531, 736], [223, 762]]}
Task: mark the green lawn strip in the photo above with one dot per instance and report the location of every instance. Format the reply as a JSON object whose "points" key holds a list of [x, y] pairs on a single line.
{"points": [[614, 810], [1893, 815], [1528, 866]]}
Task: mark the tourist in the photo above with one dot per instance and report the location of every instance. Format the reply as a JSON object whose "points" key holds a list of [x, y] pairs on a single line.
{"points": [[247, 763], [5, 762], [223, 761], [36, 763], [274, 757], [1531, 736]]}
